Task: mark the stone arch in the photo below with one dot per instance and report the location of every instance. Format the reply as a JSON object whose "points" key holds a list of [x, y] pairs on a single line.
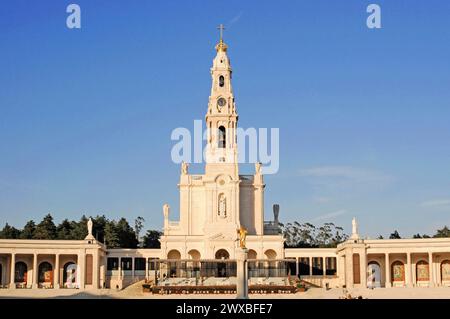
{"points": [[373, 274], [422, 271], [270, 254], [70, 275], [194, 254], [252, 254], [222, 254], [445, 270], [221, 81], [45, 272], [398, 271], [173, 254], [21, 272]]}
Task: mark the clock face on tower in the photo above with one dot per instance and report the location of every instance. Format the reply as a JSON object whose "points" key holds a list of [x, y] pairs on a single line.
{"points": [[221, 102]]}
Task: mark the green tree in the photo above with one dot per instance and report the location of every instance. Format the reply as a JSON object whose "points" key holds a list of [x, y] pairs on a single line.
{"points": [[64, 230], [79, 229], [395, 235], [380, 237], [442, 233], [151, 239], [417, 236], [28, 230], [111, 236], [9, 232], [138, 225], [98, 229], [46, 229], [308, 235], [126, 234]]}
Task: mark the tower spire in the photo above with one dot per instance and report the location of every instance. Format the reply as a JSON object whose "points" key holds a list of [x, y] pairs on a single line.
{"points": [[221, 46]]}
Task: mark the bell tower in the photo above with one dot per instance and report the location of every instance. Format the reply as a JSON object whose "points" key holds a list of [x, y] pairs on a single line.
{"points": [[221, 117]]}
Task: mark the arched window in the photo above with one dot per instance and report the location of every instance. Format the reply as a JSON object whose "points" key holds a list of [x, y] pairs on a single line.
{"points": [[222, 254], [174, 254], [222, 137], [221, 81]]}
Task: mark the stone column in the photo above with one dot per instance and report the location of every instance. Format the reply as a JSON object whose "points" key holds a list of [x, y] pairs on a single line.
{"points": [[387, 282], [132, 268], [12, 284], [363, 268], [310, 266], [82, 267], [297, 266], [242, 273], [120, 268], [408, 273], [35, 272], [324, 265], [146, 268], [95, 270], [349, 269], [56, 273], [438, 273], [431, 269]]}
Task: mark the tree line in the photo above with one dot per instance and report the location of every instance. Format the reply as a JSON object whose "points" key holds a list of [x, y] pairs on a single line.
{"points": [[114, 234], [306, 235], [440, 233]]}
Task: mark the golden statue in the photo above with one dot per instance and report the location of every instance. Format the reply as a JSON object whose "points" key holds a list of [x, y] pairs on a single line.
{"points": [[242, 236]]}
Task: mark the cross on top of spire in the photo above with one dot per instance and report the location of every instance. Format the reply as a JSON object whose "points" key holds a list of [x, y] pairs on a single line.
{"points": [[221, 27]]}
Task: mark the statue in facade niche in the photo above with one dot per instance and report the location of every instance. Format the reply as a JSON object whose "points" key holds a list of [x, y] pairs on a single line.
{"points": [[242, 236], [184, 168], [222, 206]]}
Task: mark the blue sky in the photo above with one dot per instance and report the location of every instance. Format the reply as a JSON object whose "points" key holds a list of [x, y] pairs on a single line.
{"points": [[364, 115]]}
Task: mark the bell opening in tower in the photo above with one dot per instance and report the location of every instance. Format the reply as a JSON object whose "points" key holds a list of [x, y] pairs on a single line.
{"points": [[222, 137]]}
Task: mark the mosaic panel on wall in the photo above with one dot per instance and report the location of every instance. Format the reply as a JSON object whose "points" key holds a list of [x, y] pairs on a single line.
{"points": [[445, 270], [422, 271], [398, 271]]}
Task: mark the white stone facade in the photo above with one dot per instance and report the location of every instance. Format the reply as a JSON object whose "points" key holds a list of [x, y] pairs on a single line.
{"points": [[214, 205]]}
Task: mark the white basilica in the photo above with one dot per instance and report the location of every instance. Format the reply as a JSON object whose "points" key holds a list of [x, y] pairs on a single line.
{"points": [[214, 205], [200, 248]]}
